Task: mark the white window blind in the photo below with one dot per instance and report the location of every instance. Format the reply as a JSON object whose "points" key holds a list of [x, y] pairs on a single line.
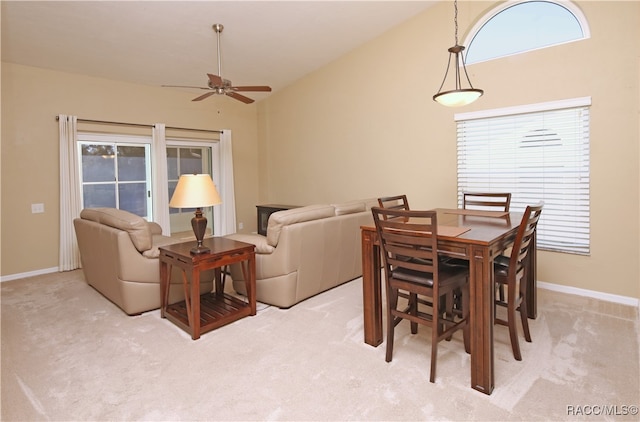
{"points": [[538, 153]]}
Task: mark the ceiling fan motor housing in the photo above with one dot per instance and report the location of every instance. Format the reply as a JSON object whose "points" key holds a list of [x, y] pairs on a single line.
{"points": [[226, 85]]}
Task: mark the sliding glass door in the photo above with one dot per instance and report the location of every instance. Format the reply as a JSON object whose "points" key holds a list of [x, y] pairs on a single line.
{"points": [[116, 173], [191, 157]]}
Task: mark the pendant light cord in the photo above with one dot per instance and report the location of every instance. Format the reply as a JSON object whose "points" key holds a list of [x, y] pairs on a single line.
{"points": [[455, 19]]}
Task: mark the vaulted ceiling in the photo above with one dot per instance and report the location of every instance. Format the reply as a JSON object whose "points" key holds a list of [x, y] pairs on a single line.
{"points": [[172, 42]]}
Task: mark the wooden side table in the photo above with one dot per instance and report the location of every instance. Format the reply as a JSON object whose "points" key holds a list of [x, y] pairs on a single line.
{"points": [[264, 211], [198, 314]]}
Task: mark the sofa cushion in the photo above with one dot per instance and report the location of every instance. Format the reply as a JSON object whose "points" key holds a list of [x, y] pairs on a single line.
{"points": [[369, 203], [349, 207], [279, 219], [136, 226]]}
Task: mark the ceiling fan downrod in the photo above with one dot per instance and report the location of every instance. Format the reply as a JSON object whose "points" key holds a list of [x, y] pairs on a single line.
{"points": [[218, 27]]}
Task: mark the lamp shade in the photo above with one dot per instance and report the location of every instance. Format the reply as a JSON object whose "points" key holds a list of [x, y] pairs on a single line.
{"points": [[195, 191], [458, 97]]}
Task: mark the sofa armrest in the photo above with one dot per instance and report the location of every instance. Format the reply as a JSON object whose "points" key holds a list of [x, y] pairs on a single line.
{"points": [[260, 242], [155, 228], [159, 241]]}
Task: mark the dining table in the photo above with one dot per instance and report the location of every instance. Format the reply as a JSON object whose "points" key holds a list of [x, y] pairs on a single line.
{"points": [[476, 236]]}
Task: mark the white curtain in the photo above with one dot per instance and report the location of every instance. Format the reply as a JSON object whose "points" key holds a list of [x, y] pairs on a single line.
{"points": [[160, 179], [70, 199], [227, 191]]}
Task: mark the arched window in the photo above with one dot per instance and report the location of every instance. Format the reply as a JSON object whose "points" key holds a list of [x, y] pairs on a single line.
{"points": [[520, 26]]}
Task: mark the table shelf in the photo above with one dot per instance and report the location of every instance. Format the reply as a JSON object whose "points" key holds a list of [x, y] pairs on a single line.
{"points": [[216, 310]]}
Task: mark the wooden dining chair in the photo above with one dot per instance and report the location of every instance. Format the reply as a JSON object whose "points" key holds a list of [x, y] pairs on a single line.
{"points": [[396, 202], [409, 244], [510, 271], [486, 201]]}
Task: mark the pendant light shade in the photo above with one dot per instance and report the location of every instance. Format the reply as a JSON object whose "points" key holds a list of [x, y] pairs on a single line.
{"points": [[459, 96]]}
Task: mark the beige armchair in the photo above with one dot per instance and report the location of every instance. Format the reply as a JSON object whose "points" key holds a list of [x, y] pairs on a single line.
{"points": [[119, 255]]}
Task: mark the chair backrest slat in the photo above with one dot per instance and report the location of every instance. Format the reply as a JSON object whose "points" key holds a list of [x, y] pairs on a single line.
{"points": [[396, 202], [486, 201]]}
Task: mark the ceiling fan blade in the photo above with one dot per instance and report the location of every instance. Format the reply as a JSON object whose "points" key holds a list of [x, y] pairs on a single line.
{"points": [[215, 79], [239, 97], [252, 88], [184, 86], [202, 97]]}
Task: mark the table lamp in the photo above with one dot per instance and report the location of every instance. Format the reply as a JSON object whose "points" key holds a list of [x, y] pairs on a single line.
{"points": [[196, 191]]}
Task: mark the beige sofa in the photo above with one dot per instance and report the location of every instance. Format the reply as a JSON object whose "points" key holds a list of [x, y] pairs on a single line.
{"points": [[119, 255], [306, 251]]}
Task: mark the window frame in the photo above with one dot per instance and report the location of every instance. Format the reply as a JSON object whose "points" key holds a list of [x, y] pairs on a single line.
{"points": [[85, 138], [477, 27], [215, 159]]}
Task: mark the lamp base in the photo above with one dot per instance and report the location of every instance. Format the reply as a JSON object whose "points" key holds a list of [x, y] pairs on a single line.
{"points": [[199, 225], [197, 250]]}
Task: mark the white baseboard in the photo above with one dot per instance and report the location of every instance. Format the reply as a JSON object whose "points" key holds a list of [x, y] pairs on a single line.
{"points": [[607, 297], [28, 274]]}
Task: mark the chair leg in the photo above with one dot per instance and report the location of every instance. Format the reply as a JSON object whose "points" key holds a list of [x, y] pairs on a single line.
{"points": [[413, 306], [389, 355], [434, 351], [525, 319], [500, 295], [449, 303], [513, 330], [465, 314], [392, 297]]}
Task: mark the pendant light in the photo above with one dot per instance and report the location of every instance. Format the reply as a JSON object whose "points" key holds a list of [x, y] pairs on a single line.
{"points": [[458, 96]]}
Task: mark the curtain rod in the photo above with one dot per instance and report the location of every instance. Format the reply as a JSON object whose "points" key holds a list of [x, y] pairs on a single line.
{"points": [[105, 122]]}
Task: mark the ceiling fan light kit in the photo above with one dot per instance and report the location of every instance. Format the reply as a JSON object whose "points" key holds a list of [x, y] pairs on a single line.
{"points": [[458, 96], [217, 85]]}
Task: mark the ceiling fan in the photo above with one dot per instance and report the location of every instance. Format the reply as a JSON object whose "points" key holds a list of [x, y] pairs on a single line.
{"points": [[218, 85]]}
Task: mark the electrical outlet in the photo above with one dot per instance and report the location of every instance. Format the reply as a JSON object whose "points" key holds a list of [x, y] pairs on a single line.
{"points": [[240, 226], [37, 208]]}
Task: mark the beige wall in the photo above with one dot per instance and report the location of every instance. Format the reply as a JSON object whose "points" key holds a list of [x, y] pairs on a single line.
{"points": [[335, 134], [340, 132], [32, 97]]}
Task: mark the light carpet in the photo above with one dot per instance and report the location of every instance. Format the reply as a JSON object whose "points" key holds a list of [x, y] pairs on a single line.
{"points": [[68, 354]]}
